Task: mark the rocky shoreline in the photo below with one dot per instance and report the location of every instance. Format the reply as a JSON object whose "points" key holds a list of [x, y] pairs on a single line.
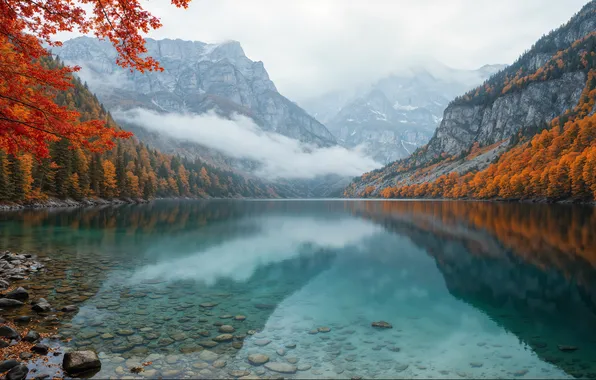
{"points": [[21, 346], [61, 203]]}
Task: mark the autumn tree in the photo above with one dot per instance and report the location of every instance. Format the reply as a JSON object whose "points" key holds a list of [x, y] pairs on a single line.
{"points": [[30, 119], [109, 184]]}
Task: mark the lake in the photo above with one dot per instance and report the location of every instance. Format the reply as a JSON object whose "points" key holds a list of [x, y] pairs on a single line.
{"points": [[471, 289]]}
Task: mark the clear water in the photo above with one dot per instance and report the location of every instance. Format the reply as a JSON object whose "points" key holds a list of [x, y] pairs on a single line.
{"points": [[472, 289]]}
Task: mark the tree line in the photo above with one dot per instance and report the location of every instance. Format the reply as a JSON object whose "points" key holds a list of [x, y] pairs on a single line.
{"points": [[129, 170]]}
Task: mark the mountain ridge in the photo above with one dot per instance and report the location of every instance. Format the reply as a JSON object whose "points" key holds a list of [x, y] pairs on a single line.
{"points": [[484, 132]]}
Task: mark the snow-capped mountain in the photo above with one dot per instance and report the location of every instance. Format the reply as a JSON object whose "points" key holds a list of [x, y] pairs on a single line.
{"points": [[197, 77], [398, 113]]}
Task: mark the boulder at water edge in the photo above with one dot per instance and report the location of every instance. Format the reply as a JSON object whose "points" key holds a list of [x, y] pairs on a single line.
{"points": [[80, 361]]}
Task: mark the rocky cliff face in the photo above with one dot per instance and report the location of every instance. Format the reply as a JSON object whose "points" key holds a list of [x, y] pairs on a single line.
{"points": [[197, 78], [493, 121], [397, 114], [533, 107]]}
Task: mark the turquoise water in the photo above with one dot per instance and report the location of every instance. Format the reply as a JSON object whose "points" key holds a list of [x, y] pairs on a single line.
{"points": [[471, 289]]}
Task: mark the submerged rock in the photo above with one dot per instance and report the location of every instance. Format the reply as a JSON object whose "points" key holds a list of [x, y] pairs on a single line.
{"points": [[18, 294], [565, 348], [281, 367], [41, 305], [17, 373], [8, 364], [8, 332], [32, 336], [382, 325], [262, 342], [41, 349], [80, 361], [208, 356], [224, 338], [7, 302], [23, 319], [258, 359], [226, 329], [324, 329]]}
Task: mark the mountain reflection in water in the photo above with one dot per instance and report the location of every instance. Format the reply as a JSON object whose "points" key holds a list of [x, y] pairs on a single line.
{"points": [[522, 269]]}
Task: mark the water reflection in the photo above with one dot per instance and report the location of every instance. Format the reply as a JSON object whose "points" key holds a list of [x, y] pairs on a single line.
{"points": [[473, 289]]}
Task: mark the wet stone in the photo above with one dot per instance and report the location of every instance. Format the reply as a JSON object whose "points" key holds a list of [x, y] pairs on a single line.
{"points": [[382, 325], [258, 359], [17, 373], [520, 373], [22, 319], [262, 342], [41, 349], [476, 364], [208, 356], [324, 329], [239, 373], [219, 363], [566, 348], [240, 318], [281, 367], [8, 364], [237, 345], [208, 344], [292, 359], [224, 338], [226, 329]]}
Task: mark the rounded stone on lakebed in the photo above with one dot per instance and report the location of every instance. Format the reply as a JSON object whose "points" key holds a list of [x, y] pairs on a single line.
{"points": [[224, 338], [281, 367], [226, 329], [240, 317], [80, 361], [382, 325], [258, 359], [324, 329]]}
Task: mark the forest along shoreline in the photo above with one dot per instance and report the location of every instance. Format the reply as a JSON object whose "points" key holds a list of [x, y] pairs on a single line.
{"points": [[24, 350]]}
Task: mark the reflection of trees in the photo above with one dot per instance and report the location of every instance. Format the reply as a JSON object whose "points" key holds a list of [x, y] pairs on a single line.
{"points": [[530, 268]]}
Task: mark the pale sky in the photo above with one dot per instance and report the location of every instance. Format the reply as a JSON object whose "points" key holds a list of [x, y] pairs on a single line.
{"points": [[315, 46]]}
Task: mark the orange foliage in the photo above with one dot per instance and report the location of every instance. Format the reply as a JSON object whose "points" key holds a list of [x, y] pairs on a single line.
{"points": [[29, 116], [556, 164]]}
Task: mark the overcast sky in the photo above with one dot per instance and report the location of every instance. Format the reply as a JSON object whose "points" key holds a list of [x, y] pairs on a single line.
{"points": [[310, 46]]}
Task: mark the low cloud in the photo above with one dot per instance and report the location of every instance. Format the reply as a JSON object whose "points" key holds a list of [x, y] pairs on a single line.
{"points": [[279, 156], [278, 239]]}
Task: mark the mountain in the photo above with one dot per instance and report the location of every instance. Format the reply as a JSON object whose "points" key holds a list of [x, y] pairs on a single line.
{"points": [[398, 113], [527, 132], [197, 78], [130, 170]]}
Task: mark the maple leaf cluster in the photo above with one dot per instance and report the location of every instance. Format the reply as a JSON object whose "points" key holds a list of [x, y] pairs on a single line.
{"points": [[29, 117]]}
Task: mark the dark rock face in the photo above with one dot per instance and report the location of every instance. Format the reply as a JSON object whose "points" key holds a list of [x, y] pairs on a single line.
{"points": [[80, 361], [17, 373], [41, 349], [23, 319], [32, 336], [41, 306], [8, 332], [7, 302], [18, 294], [484, 122], [8, 364]]}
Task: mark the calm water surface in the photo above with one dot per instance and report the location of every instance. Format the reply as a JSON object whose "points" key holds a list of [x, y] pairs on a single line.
{"points": [[472, 289]]}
